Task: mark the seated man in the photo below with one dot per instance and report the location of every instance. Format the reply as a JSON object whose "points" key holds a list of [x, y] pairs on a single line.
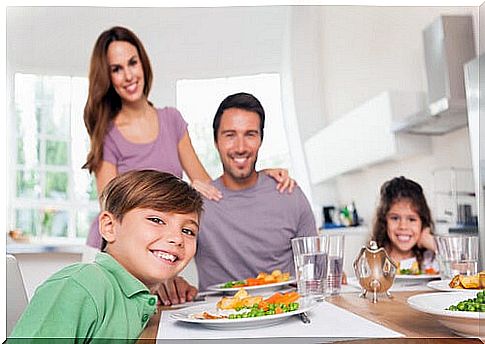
{"points": [[250, 229]]}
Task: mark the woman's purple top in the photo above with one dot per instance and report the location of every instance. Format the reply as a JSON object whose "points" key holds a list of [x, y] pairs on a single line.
{"points": [[160, 154]]}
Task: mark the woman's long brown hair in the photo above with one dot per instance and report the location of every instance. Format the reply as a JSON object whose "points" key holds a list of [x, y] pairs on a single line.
{"points": [[103, 103]]}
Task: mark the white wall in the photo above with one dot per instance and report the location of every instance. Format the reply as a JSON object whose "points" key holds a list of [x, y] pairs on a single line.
{"points": [[481, 11], [182, 43]]}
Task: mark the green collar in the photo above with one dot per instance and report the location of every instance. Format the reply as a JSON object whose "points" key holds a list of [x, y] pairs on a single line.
{"points": [[127, 282]]}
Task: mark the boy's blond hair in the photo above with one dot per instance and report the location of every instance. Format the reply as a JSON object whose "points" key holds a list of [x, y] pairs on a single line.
{"points": [[149, 189]]}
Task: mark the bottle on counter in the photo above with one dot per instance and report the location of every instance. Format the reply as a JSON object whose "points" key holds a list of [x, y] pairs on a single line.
{"points": [[345, 216], [355, 215]]}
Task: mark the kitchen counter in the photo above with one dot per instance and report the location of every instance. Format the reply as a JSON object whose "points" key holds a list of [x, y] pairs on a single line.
{"points": [[346, 230], [36, 248]]}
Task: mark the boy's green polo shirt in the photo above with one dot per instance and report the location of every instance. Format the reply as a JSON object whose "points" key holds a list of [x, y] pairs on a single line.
{"points": [[96, 300]]}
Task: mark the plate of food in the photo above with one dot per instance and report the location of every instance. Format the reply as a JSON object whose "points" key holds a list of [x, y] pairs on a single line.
{"points": [[415, 273], [417, 277], [263, 282], [243, 311], [459, 311], [471, 283]]}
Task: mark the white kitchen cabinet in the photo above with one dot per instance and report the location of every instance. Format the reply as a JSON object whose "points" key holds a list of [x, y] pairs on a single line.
{"points": [[364, 137]]}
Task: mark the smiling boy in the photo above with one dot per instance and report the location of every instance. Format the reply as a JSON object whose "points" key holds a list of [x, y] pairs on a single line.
{"points": [[149, 226]]}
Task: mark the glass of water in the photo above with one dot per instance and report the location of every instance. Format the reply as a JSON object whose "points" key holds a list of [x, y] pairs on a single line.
{"points": [[457, 255], [311, 262], [335, 263]]}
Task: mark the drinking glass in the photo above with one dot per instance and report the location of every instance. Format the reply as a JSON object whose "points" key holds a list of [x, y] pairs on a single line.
{"points": [[311, 262], [457, 255], [335, 263]]}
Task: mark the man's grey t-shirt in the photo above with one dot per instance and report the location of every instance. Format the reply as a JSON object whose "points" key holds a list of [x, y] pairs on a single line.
{"points": [[250, 231]]}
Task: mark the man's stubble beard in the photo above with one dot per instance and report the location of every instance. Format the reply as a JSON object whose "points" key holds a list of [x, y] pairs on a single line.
{"points": [[237, 176]]}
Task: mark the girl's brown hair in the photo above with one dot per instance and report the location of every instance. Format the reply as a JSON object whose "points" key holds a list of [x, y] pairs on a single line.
{"points": [[151, 189], [394, 190], [103, 103]]}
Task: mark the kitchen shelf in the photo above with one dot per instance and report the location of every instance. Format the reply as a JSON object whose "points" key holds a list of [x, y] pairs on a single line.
{"points": [[458, 193], [454, 199], [363, 137]]}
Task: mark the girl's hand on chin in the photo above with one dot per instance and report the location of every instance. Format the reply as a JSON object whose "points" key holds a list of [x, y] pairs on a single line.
{"points": [[426, 240]]}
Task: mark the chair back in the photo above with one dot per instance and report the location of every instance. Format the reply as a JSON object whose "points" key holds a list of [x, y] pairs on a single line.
{"points": [[16, 294]]}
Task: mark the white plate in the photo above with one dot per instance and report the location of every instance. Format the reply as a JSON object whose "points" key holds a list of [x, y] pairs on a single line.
{"points": [[463, 323], [258, 288], [184, 305], [416, 277], [186, 315], [443, 285]]}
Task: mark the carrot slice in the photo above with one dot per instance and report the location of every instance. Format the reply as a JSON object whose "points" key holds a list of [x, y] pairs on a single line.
{"points": [[255, 281], [274, 298], [290, 297], [263, 305]]}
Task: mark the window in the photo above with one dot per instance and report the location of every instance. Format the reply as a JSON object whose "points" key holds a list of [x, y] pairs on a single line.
{"points": [[198, 101], [51, 195]]}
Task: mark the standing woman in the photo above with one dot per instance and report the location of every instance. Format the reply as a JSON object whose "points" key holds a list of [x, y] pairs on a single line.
{"points": [[127, 132]]}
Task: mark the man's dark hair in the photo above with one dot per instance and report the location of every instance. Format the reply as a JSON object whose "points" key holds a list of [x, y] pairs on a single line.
{"points": [[244, 101]]}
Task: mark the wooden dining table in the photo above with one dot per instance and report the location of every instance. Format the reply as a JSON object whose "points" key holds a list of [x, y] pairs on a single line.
{"points": [[394, 314]]}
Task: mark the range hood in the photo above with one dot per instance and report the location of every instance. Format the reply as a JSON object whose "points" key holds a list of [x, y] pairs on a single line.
{"points": [[448, 45]]}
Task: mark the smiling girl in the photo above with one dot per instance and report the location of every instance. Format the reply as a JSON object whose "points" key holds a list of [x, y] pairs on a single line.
{"points": [[404, 227]]}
